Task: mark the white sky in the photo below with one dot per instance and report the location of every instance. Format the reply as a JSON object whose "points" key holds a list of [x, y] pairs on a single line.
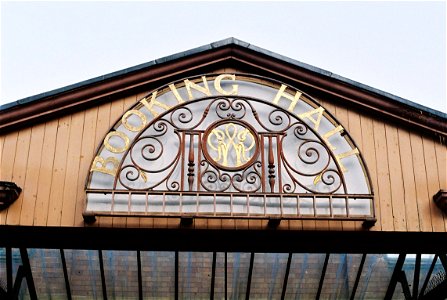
{"points": [[398, 47]]}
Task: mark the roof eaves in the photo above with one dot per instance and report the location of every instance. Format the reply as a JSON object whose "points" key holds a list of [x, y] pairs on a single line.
{"points": [[114, 74], [215, 45], [349, 81], [390, 96]]}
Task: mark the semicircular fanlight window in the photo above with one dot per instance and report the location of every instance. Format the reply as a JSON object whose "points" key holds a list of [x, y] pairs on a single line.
{"points": [[229, 154]]}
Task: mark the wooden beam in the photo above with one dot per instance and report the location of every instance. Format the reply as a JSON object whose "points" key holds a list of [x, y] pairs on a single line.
{"points": [[241, 240]]}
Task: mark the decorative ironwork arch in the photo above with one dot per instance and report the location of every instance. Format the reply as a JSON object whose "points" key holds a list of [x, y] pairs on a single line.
{"points": [[229, 155]]}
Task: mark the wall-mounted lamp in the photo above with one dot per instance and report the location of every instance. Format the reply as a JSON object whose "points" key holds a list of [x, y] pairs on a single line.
{"points": [[9, 192], [440, 199]]}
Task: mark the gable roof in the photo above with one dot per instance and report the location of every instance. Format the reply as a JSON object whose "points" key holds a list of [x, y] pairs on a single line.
{"points": [[78, 95]]}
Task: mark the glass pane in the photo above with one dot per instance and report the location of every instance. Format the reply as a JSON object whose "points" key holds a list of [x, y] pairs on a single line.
{"points": [[322, 206], [84, 274], [158, 274], [409, 267], [304, 276], [340, 275], [219, 284], [354, 261], [376, 276], [120, 202], [23, 292], [195, 275], [99, 202], [268, 275], [16, 262], [3, 283], [121, 274], [48, 273], [237, 268], [426, 260]]}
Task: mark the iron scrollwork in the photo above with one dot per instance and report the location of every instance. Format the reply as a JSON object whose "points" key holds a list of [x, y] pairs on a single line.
{"points": [[228, 147]]}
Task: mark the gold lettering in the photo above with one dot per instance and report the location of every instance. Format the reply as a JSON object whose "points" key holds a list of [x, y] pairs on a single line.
{"points": [[330, 133], [218, 87], [176, 94], [293, 99], [190, 84], [124, 137], [103, 165], [149, 105], [137, 113], [309, 115], [339, 157]]}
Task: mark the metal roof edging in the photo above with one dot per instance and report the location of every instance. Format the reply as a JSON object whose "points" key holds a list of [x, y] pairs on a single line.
{"points": [[216, 45]]}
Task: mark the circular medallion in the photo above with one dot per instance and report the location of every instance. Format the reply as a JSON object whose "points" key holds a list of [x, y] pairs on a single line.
{"points": [[230, 145]]}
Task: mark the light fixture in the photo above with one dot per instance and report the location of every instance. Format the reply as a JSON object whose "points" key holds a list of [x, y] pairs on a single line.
{"points": [[9, 192], [440, 199]]}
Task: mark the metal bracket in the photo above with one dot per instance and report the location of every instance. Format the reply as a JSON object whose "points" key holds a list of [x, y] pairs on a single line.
{"points": [[89, 218], [368, 223], [274, 222], [186, 221]]}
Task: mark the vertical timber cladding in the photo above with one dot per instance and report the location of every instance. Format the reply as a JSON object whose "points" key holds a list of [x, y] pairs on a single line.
{"points": [[231, 146]]}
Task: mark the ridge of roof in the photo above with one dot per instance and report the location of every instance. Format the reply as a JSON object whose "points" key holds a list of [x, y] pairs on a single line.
{"points": [[216, 45]]}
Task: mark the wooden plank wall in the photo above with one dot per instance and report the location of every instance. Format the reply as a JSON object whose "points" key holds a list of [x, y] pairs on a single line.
{"points": [[51, 160]]}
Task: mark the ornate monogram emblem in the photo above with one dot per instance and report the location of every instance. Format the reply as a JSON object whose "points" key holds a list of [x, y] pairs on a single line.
{"points": [[230, 145]]}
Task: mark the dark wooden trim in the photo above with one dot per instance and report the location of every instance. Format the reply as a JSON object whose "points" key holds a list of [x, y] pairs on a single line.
{"points": [[351, 94], [158, 74], [64, 102], [189, 239]]}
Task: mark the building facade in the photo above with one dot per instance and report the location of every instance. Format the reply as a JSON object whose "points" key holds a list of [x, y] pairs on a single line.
{"points": [[226, 171]]}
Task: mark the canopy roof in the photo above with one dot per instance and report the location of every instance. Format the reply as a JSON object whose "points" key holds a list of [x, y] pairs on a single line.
{"points": [[180, 264]]}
